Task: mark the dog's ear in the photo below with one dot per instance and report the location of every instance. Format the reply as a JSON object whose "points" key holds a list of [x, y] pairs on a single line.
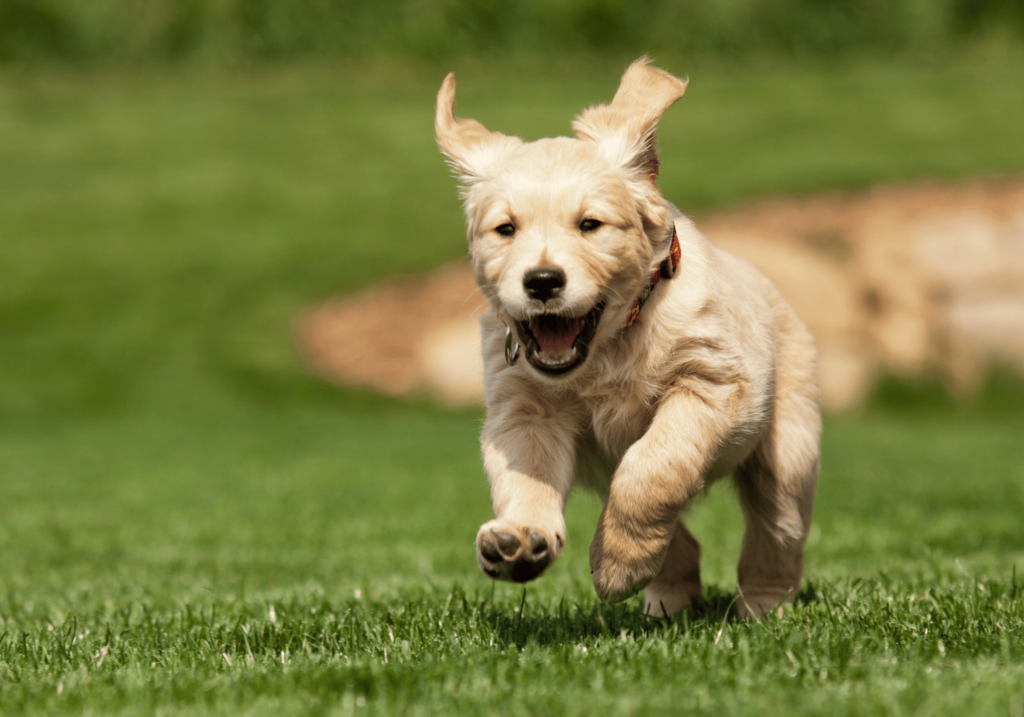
{"points": [[625, 129], [469, 146]]}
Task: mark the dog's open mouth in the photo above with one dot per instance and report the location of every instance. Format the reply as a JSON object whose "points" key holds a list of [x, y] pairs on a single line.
{"points": [[556, 344]]}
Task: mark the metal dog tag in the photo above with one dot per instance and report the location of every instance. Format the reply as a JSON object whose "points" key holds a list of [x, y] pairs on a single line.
{"points": [[511, 352]]}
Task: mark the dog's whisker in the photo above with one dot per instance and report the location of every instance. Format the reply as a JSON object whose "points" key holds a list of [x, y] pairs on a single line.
{"points": [[481, 301]]}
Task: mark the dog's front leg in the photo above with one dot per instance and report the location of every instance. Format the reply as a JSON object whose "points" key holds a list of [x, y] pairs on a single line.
{"points": [[655, 479], [529, 456]]}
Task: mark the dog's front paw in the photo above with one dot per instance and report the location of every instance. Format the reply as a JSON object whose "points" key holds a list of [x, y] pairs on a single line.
{"points": [[506, 551], [625, 561]]}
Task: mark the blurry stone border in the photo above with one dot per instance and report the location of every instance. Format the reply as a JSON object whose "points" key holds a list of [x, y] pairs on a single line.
{"points": [[909, 280]]}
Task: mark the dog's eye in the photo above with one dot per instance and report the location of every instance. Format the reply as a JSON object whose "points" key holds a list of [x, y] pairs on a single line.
{"points": [[506, 230], [589, 225]]}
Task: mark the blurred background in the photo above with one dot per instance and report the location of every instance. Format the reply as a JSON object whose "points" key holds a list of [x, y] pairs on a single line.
{"points": [[208, 206]]}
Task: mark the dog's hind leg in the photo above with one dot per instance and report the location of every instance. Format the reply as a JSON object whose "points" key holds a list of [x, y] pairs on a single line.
{"points": [[678, 583], [776, 487]]}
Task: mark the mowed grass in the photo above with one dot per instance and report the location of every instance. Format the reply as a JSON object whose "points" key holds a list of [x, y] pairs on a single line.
{"points": [[320, 560], [191, 525]]}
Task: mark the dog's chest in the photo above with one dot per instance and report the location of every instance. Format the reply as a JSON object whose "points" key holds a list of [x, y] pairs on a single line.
{"points": [[618, 418]]}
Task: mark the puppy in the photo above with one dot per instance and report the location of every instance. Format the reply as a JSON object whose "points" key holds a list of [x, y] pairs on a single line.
{"points": [[625, 354]]}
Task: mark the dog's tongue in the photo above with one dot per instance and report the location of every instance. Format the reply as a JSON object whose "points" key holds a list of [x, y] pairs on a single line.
{"points": [[554, 334]]}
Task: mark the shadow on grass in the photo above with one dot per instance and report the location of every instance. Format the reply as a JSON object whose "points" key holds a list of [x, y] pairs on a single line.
{"points": [[571, 623]]}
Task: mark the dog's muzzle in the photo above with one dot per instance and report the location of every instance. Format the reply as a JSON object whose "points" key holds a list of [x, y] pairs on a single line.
{"points": [[557, 344]]}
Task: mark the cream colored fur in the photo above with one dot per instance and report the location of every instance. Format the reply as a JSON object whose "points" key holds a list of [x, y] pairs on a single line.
{"points": [[716, 377]]}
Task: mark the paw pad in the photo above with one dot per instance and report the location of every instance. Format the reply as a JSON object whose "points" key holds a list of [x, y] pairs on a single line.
{"points": [[503, 555], [508, 545]]}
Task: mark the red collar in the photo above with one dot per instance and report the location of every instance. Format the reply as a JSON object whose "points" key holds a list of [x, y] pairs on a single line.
{"points": [[666, 270]]}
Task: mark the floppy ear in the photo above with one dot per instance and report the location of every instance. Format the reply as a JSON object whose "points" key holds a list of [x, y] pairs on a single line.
{"points": [[469, 146], [625, 129]]}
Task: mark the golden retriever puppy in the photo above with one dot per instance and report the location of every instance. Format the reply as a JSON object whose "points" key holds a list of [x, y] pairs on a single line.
{"points": [[625, 354]]}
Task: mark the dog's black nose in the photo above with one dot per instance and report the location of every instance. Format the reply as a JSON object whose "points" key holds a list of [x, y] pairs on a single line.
{"points": [[544, 282]]}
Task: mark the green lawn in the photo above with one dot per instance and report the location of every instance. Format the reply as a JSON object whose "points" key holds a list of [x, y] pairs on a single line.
{"points": [[189, 524]]}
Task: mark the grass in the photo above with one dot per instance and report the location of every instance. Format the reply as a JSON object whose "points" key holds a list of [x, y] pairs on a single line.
{"points": [[191, 525], [175, 31], [294, 561], [159, 232]]}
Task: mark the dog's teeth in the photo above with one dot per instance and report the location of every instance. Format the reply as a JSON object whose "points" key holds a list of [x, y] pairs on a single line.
{"points": [[555, 363]]}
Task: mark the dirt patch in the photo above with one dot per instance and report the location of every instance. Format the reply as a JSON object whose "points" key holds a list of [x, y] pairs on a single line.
{"points": [[910, 279], [376, 338]]}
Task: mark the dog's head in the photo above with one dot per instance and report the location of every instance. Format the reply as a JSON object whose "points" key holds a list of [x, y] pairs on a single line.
{"points": [[564, 233]]}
